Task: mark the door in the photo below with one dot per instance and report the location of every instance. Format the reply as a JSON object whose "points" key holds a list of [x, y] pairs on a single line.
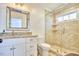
{"points": [[6, 51], [19, 49]]}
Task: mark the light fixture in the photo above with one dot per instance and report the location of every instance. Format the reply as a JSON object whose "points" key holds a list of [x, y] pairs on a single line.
{"points": [[20, 4]]}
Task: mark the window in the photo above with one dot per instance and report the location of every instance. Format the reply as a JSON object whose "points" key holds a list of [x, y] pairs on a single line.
{"points": [[66, 17], [72, 16], [59, 19], [69, 16]]}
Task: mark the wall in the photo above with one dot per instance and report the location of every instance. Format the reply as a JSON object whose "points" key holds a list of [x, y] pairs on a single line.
{"points": [[68, 31], [70, 35], [37, 20], [49, 34], [52, 36], [2, 17], [67, 35]]}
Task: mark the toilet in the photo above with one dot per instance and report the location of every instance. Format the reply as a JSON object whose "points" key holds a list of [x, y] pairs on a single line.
{"points": [[43, 49]]}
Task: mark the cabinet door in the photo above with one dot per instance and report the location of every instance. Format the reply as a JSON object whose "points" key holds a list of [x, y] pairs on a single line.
{"points": [[31, 47], [6, 47], [19, 49], [6, 51], [27, 46]]}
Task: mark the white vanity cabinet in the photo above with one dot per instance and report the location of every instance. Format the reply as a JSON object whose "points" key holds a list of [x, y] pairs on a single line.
{"points": [[19, 47]]}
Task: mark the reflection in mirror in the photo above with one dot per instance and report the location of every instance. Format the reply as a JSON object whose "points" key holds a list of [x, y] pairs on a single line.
{"points": [[17, 19], [16, 23]]}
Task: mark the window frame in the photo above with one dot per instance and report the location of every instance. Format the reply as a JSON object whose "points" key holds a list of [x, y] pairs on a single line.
{"points": [[68, 16]]}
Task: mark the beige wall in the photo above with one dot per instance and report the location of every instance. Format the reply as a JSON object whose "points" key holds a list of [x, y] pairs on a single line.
{"points": [[52, 37], [48, 22], [70, 35], [67, 35]]}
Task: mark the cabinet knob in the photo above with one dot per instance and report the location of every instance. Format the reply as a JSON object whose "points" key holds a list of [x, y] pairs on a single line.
{"points": [[31, 39], [14, 48], [11, 48], [31, 55], [31, 46]]}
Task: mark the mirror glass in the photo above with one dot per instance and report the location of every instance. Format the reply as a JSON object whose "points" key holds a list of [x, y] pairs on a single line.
{"points": [[17, 19]]}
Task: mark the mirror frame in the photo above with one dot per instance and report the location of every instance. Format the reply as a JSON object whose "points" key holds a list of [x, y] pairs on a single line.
{"points": [[8, 17]]}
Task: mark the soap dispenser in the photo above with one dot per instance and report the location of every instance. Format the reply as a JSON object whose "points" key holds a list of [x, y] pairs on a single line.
{"points": [[3, 31]]}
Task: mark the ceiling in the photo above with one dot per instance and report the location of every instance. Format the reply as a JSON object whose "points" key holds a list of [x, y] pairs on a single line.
{"points": [[49, 6]]}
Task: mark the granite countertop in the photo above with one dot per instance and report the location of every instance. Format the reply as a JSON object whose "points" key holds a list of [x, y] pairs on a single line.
{"points": [[23, 36], [5, 36]]}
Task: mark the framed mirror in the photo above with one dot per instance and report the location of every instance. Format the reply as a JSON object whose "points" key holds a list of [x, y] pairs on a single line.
{"points": [[17, 19]]}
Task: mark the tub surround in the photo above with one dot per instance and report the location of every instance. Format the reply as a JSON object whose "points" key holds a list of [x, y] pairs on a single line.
{"points": [[66, 37]]}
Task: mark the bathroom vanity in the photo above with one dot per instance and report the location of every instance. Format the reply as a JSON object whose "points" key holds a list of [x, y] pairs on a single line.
{"points": [[18, 45]]}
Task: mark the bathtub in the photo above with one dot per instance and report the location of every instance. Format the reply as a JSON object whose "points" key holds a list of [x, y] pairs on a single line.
{"points": [[58, 51], [71, 54]]}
